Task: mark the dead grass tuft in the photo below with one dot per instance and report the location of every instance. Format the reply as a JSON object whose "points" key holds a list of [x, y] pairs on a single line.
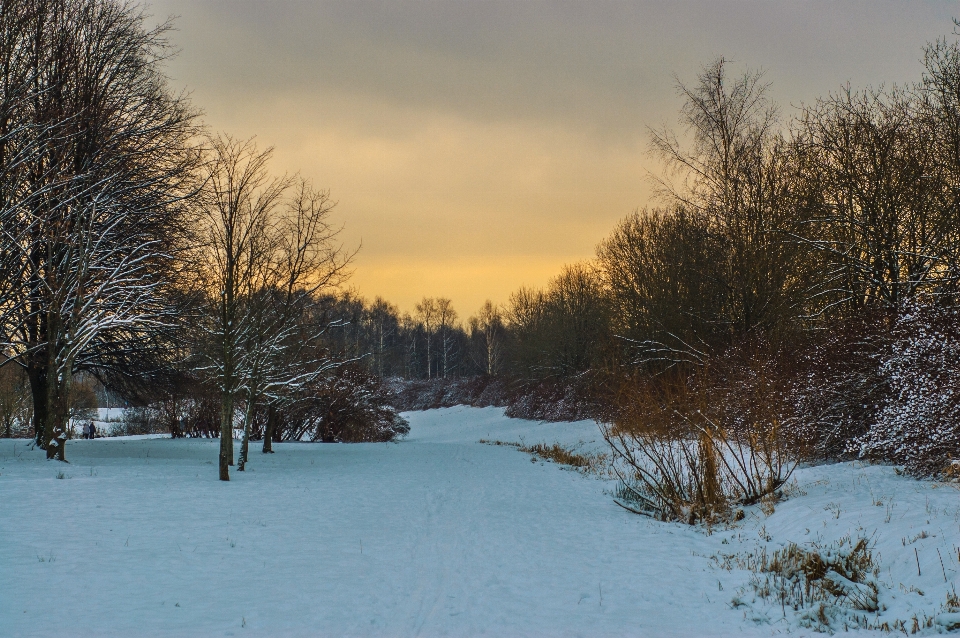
{"points": [[585, 462], [827, 586]]}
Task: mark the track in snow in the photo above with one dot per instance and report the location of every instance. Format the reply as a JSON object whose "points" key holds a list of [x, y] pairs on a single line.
{"points": [[435, 535]]}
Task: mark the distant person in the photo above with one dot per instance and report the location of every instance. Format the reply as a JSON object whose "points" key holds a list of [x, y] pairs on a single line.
{"points": [[93, 430]]}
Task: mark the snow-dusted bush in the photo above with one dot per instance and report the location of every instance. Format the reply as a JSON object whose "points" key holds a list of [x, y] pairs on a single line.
{"points": [[351, 409], [427, 394], [571, 399], [837, 387], [349, 406], [919, 423]]}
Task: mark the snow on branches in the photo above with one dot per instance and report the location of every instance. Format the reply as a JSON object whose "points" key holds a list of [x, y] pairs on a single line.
{"points": [[919, 424]]}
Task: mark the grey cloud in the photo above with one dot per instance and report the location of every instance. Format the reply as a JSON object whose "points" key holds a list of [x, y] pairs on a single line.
{"points": [[601, 65]]}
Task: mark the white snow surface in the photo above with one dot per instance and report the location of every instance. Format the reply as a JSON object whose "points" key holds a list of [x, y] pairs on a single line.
{"points": [[437, 535]]}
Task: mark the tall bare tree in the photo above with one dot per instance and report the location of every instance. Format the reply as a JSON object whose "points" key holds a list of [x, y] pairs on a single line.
{"points": [[269, 249], [235, 254], [427, 315], [487, 327], [282, 352], [446, 321], [735, 173], [92, 224]]}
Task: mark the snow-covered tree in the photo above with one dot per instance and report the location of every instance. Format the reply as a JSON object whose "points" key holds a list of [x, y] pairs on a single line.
{"points": [[268, 248], [96, 166], [919, 423]]}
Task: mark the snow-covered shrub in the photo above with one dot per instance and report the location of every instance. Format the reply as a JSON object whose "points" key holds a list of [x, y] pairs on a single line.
{"points": [[353, 410], [837, 388], [572, 399], [427, 394], [349, 406], [919, 424]]}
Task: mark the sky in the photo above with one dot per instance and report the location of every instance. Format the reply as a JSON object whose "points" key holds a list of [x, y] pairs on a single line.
{"points": [[473, 147]]}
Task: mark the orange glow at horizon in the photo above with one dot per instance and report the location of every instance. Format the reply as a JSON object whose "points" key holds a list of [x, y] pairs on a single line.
{"points": [[474, 147]]}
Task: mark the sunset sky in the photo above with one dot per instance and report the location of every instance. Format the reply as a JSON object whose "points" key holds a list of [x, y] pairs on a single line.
{"points": [[474, 147]]}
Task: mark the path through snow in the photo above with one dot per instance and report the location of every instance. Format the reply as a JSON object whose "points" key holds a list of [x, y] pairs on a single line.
{"points": [[435, 535]]}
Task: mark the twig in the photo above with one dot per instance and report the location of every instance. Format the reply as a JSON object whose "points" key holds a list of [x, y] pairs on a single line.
{"points": [[942, 568], [630, 509], [918, 560]]}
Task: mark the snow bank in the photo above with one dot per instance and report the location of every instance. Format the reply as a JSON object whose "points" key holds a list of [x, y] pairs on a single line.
{"points": [[436, 535]]}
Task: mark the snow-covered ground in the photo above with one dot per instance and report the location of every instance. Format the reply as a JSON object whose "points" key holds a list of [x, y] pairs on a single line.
{"points": [[435, 535], [110, 415]]}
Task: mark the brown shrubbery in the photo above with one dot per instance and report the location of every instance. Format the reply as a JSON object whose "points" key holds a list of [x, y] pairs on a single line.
{"points": [[349, 406], [690, 447]]}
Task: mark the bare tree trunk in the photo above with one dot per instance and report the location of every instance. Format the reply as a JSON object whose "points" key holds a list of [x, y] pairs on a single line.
{"points": [[226, 437], [245, 445], [38, 390], [230, 455], [444, 344], [268, 434], [429, 363], [58, 415]]}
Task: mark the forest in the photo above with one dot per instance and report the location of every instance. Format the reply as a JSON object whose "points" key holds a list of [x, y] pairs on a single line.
{"points": [[791, 296]]}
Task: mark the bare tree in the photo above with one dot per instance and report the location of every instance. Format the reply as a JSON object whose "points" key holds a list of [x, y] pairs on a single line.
{"points": [[428, 316], [282, 352], [234, 256], [487, 327], [383, 319], [91, 226], [736, 174], [269, 251], [446, 320], [561, 331], [884, 205]]}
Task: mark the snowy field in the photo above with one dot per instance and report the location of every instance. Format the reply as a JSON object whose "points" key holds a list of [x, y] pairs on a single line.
{"points": [[438, 535]]}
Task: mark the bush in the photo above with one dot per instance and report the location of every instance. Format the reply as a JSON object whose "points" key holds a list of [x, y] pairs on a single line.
{"points": [[688, 448], [352, 409], [919, 423], [349, 406], [140, 420], [838, 390]]}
